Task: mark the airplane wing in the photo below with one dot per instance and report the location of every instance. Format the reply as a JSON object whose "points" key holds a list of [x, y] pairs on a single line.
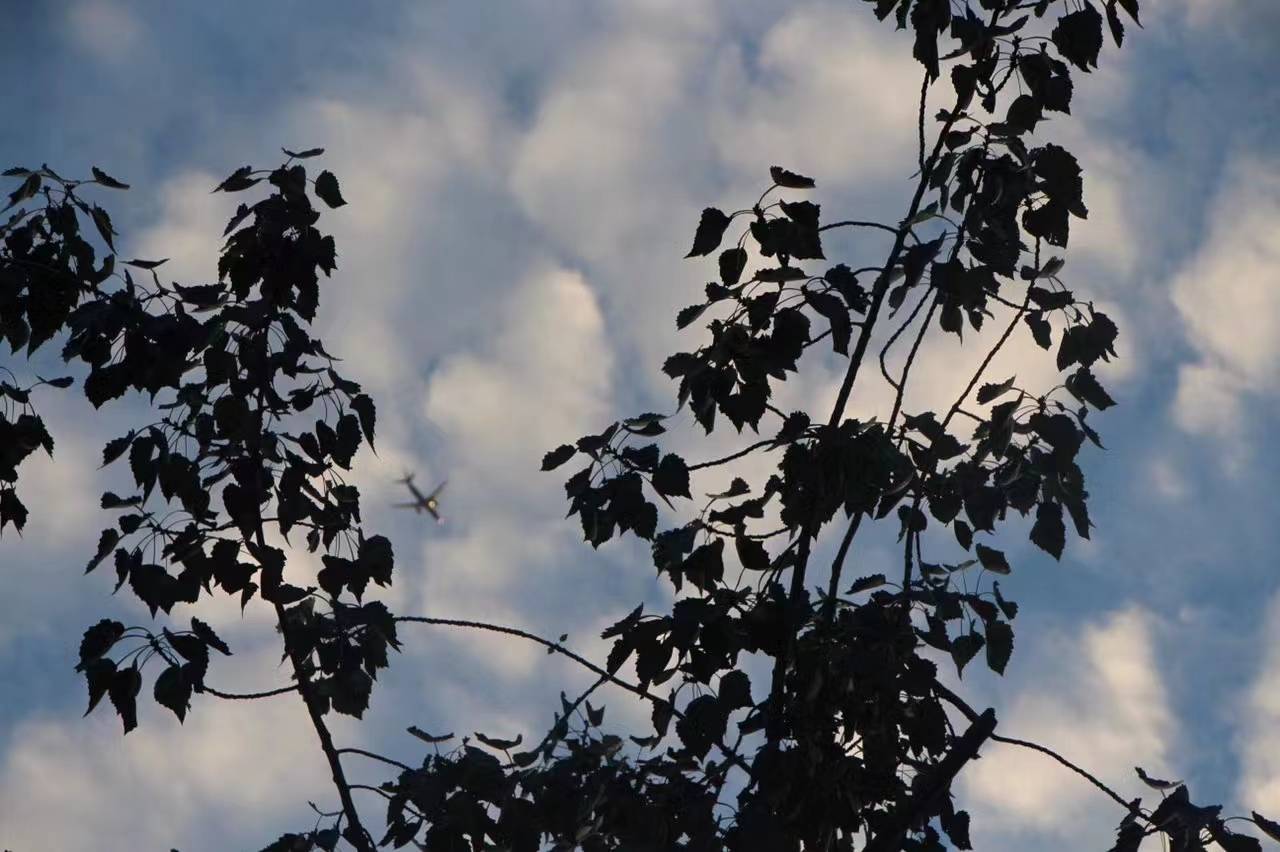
{"points": [[439, 488], [406, 505]]}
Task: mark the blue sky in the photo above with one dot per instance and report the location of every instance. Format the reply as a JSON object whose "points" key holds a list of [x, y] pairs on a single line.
{"points": [[523, 180]]}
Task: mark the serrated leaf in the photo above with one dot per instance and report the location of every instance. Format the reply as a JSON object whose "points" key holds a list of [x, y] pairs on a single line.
{"points": [[206, 634], [689, 314], [1155, 783], [239, 180], [173, 690], [1269, 827], [98, 675], [1084, 386], [98, 640], [992, 560], [964, 648], [989, 392], [863, 584], [363, 406], [1048, 532], [999, 645], [106, 543], [558, 456], [711, 228], [732, 262], [784, 178], [327, 189], [123, 692], [500, 744], [106, 180], [428, 738], [146, 264], [671, 478]]}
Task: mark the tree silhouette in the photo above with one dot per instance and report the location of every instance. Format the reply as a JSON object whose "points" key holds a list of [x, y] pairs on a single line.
{"points": [[851, 741]]}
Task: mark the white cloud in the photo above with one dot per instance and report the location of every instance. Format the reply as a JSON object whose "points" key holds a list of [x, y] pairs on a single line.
{"points": [[106, 30], [826, 98], [73, 784], [1258, 743], [1100, 703], [1226, 298]]}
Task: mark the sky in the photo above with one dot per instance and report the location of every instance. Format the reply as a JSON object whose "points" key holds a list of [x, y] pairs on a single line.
{"points": [[523, 179]]}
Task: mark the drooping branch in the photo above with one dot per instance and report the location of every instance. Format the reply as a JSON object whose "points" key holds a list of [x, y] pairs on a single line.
{"points": [[249, 696], [969, 713], [580, 660]]}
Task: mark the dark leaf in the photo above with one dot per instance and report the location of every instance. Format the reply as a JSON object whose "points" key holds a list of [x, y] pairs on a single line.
{"points": [[98, 640], [732, 262], [558, 456], [12, 511], [430, 739], [737, 488], [206, 634], [863, 584], [1048, 532], [789, 179], [302, 155], [123, 691], [671, 479], [689, 314], [63, 382], [99, 674], [999, 645], [327, 189], [711, 228], [1155, 783], [364, 409], [751, 553], [1084, 386], [988, 392], [106, 543], [501, 745], [993, 560], [1269, 827], [1113, 21], [173, 690], [1078, 37], [238, 180], [964, 648], [146, 264]]}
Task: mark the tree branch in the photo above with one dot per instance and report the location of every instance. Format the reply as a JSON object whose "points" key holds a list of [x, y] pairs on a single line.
{"points": [[582, 661], [373, 756], [969, 713], [249, 696]]}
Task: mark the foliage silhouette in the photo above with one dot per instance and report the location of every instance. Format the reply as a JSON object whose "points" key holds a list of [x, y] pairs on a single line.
{"points": [[255, 426]]}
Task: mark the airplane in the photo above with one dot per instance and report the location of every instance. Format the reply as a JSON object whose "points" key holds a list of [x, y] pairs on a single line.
{"points": [[422, 502]]}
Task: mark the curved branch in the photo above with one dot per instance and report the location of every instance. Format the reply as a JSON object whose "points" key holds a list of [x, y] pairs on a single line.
{"points": [[582, 661], [733, 456], [853, 223], [970, 714], [249, 696]]}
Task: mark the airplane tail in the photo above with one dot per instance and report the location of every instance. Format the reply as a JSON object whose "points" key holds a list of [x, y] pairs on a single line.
{"points": [[406, 479]]}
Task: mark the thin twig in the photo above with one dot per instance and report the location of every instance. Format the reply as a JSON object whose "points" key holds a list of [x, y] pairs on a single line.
{"points": [[582, 661], [370, 754], [969, 713], [734, 456], [249, 696]]}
